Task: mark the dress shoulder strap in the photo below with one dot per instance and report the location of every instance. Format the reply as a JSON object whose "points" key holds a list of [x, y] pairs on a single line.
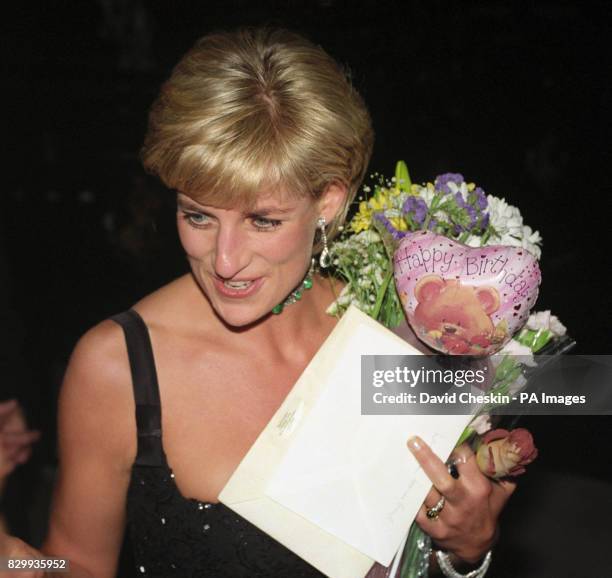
{"points": [[146, 389]]}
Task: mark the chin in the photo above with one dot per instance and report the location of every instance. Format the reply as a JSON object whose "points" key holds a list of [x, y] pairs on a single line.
{"points": [[240, 315]]}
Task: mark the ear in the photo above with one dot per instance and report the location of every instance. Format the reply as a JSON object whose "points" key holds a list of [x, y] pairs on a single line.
{"points": [[489, 299], [332, 200], [428, 287]]}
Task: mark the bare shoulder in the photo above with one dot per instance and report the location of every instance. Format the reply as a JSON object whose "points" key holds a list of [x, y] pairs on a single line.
{"points": [[97, 394], [100, 356], [96, 403]]}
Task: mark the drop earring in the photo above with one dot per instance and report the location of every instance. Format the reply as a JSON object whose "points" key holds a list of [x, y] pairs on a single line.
{"points": [[325, 257]]}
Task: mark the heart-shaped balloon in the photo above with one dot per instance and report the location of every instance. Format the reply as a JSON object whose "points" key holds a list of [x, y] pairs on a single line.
{"points": [[464, 300]]}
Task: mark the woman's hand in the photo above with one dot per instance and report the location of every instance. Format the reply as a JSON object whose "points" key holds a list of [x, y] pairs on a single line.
{"points": [[467, 523]]}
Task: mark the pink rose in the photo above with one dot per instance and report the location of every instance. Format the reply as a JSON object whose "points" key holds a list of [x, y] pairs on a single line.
{"points": [[505, 453]]}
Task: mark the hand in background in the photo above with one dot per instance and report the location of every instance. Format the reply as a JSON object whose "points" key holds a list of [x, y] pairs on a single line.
{"points": [[11, 547], [15, 438]]}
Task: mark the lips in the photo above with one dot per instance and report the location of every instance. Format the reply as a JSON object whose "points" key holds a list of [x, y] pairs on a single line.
{"points": [[237, 289]]}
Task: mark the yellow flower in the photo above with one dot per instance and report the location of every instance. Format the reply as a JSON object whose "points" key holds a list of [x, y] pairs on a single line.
{"points": [[362, 219], [383, 199], [380, 202], [395, 191], [399, 223]]}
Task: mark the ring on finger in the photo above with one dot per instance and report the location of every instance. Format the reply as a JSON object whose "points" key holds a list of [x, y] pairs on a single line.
{"points": [[433, 512]]}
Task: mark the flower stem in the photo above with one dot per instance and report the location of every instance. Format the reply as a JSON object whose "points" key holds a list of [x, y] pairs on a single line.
{"points": [[381, 293]]}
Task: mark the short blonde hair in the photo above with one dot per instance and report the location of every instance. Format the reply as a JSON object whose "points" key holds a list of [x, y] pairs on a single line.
{"points": [[258, 110]]}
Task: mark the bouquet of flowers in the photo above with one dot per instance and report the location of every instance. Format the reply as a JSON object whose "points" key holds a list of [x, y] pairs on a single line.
{"points": [[389, 211], [449, 206]]}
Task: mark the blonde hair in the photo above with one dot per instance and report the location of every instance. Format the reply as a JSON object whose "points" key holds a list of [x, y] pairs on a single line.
{"points": [[258, 110]]}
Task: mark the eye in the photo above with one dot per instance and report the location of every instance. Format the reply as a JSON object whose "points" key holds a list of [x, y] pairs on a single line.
{"points": [[197, 220], [265, 224]]}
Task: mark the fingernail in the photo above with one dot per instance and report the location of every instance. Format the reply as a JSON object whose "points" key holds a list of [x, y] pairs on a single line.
{"points": [[415, 443]]}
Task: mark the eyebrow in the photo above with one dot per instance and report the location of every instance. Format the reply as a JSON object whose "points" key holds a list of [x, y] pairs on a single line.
{"points": [[263, 211], [260, 211]]}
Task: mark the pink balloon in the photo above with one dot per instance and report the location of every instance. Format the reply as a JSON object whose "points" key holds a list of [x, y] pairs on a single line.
{"points": [[464, 300]]}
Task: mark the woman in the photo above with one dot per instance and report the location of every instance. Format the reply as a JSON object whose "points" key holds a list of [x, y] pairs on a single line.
{"points": [[265, 143]]}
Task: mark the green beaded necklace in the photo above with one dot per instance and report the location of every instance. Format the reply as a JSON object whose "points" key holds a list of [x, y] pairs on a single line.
{"points": [[296, 294]]}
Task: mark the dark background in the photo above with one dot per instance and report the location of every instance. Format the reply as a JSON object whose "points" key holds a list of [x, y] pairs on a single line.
{"points": [[514, 95]]}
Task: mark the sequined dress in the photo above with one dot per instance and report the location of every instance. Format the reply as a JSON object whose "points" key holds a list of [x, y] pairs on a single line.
{"points": [[173, 536]]}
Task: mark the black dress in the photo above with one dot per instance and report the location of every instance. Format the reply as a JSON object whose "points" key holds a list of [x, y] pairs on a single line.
{"points": [[173, 536]]}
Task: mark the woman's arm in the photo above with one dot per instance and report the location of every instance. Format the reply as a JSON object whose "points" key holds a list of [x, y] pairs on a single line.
{"points": [[97, 445]]}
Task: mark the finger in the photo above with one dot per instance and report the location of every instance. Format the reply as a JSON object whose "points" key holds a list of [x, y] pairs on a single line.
{"points": [[472, 482], [7, 406], [19, 438], [433, 466], [436, 528], [6, 409], [463, 458], [432, 498], [11, 451], [19, 455]]}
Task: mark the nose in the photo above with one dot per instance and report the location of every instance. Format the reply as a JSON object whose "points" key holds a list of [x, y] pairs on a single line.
{"points": [[231, 251]]}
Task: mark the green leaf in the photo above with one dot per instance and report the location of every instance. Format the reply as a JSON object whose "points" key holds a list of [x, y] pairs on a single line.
{"points": [[402, 178], [467, 433], [381, 293]]}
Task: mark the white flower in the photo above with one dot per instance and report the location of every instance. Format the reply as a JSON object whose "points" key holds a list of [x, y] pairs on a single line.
{"points": [[360, 305], [511, 240], [367, 237], [345, 295], [531, 240], [427, 195], [333, 309], [505, 218], [556, 326], [544, 320], [514, 348], [473, 241], [441, 216], [481, 424], [517, 385], [455, 188]]}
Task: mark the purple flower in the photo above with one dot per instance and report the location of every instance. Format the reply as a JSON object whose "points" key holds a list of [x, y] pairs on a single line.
{"points": [[387, 224], [441, 182], [481, 198], [473, 216], [474, 207], [417, 208], [460, 201]]}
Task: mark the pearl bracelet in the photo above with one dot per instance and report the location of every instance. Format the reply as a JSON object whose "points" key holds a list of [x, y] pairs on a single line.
{"points": [[447, 569]]}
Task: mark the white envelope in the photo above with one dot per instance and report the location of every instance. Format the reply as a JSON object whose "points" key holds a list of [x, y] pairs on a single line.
{"points": [[338, 488]]}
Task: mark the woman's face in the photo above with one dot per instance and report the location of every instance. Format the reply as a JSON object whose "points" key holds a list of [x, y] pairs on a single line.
{"points": [[248, 262]]}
